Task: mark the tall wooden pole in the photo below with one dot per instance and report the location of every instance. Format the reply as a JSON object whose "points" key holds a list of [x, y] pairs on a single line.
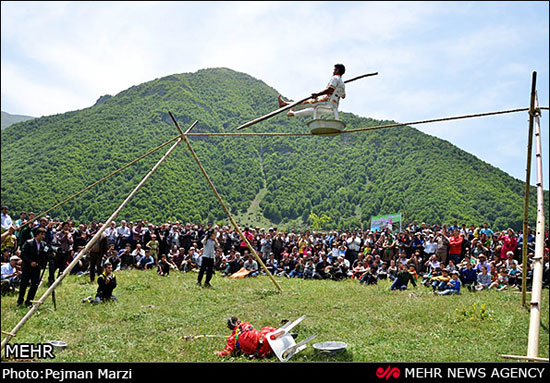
{"points": [[527, 183], [37, 304], [252, 251], [536, 289]]}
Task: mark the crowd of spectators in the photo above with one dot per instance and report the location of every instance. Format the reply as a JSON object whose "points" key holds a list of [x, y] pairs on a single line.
{"points": [[431, 255]]}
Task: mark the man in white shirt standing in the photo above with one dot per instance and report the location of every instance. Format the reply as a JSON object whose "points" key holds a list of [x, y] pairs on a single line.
{"points": [[336, 89], [6, 219]]}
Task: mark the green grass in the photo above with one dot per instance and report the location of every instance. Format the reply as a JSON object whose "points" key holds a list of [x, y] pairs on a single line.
{"points": [[153, 313]]}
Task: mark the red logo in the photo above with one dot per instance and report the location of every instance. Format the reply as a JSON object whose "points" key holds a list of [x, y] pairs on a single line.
{"points": [[388, 372]]}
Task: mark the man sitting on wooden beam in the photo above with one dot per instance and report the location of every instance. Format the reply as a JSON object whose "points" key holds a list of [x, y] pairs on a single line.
{"points": [[335, 90]]}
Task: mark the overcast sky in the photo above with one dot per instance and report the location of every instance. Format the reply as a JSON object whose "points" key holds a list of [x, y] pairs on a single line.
{"points": [[435, 59]]}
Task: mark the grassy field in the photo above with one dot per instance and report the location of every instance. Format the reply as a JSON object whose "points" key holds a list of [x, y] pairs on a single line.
{"points": [[153, 313]]}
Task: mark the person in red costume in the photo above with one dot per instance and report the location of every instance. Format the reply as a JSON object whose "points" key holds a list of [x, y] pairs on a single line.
{"points": [[246, 339]]}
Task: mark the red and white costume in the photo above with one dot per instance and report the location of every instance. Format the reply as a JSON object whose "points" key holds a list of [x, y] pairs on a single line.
{"points": [[245, 338]]}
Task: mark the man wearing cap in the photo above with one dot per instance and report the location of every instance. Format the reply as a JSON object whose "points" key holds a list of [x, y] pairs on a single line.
{"points": [[10, 274], [246, 339]]}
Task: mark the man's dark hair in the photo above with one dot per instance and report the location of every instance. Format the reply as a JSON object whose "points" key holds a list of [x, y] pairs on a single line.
{"points": [[40, 230], [341, 68], [232, 322]]}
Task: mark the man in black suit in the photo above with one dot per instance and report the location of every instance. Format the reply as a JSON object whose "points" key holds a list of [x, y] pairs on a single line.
{"points": [[33, 255]]}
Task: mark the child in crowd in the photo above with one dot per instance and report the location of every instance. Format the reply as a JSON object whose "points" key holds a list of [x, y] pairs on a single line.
{"points": [[453, 286], [501, 281], [484, 279]]}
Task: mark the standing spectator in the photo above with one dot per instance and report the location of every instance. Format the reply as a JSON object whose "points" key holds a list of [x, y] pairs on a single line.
{"points": [[137, 233], [9, 241], [208, 256], [25, 232], [122, 235], [153, 246], [33, 255], [64, 254], [455, 246], [97, 251], [442, 246], [6, 221], [111, 233], [509, 242]]}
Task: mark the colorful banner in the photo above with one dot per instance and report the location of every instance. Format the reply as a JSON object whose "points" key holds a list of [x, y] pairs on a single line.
{"points": [[381, 222]]}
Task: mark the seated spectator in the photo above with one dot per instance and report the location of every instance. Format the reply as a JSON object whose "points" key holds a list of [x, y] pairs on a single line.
{"points": [[106, 284], [382, 272], [453, 286], [501, 281], [402, 278], [369, 276], [163, 268], [309, 269], [298, 271], [272, 263], [514, 276], [146, 262], [468, 275], [484, 279], [440, 282], [11, 275], [126, 257], [392, 270]]}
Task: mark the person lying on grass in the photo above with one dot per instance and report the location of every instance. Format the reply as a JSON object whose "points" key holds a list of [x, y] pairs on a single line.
{"points": [[245, 339]]}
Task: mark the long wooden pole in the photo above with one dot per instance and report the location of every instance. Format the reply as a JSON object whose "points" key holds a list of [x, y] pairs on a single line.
{"points": [[252, 251], [37, 304], [536, 290], [290, 106], [527, 183]]}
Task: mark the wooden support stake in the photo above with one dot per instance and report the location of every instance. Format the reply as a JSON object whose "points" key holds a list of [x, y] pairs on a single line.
{"points": [[252, 251], [9, 333], [87, 247], [520, 357]]}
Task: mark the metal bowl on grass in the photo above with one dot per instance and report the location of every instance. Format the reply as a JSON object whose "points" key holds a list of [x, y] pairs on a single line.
{"points": [[58, 344], [330, 347]]}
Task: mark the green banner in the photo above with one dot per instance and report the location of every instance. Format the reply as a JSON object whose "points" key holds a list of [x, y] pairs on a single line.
{"points": [[381, 222]]}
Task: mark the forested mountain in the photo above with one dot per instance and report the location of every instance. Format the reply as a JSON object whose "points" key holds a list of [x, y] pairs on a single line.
{"points": [[350, 177], [10, 119]]}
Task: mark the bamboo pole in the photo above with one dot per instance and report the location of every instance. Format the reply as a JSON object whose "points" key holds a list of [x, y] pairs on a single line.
{"points": [[37, 304], [527, 186], [536, 290], [235, 225], [101, 180]]}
